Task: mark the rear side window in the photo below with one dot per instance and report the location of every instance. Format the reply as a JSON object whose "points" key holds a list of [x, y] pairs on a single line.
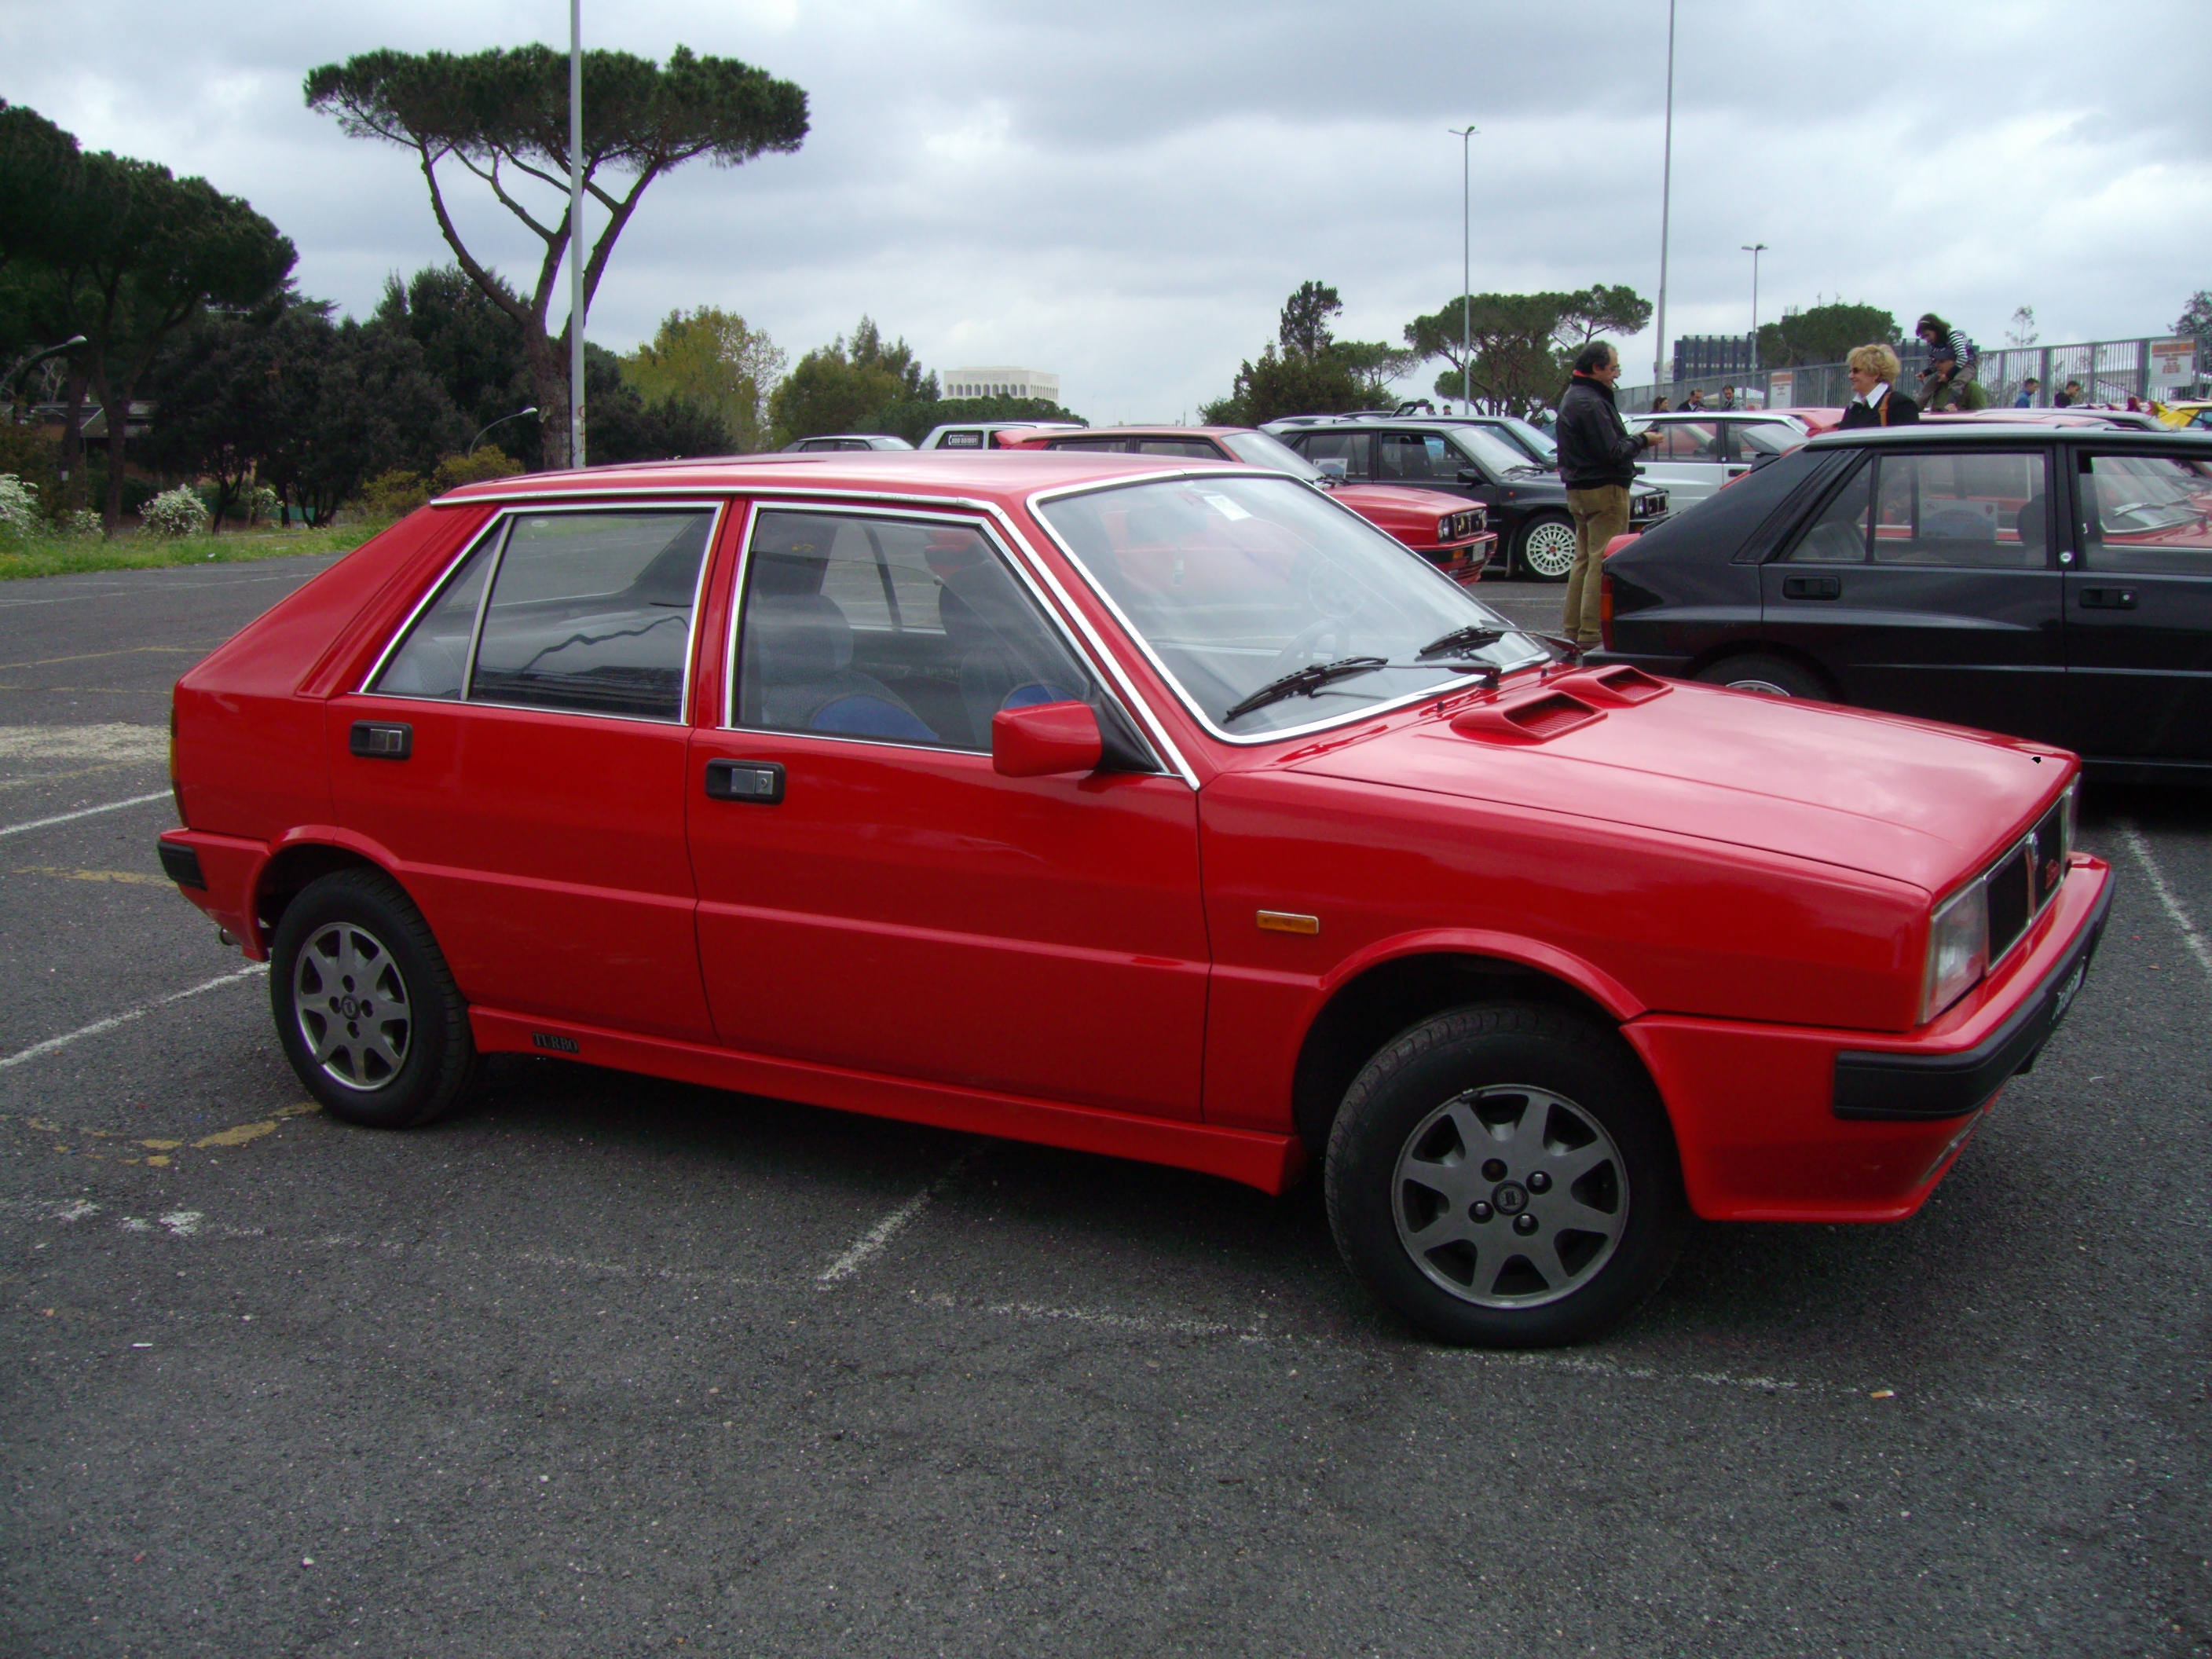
{"points": [[1688, 440], [2151, 514], [1350, 448], [1837, 534], [587, 612]]}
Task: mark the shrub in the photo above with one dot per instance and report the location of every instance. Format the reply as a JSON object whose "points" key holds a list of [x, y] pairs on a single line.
{"points": [[394, 495], [19, 504], [84, 522], [258, 503], [177, 512], [455, 471]]}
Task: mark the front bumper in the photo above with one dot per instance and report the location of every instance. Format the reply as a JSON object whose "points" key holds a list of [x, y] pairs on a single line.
{"points": [[1464, 561], [1792, 1123]]}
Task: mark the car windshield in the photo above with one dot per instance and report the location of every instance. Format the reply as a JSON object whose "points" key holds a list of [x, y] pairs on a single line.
{"points": [[1260, 449], [1495, 454], [1271, 609], [1523, 435]]}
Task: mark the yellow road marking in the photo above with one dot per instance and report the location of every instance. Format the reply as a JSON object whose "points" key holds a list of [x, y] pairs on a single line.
{"points": [[61, 874]]}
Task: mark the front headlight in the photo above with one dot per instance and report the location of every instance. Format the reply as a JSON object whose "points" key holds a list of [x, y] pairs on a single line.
{"points": [[1444, 527], [2066, 825], [1957, 949]]}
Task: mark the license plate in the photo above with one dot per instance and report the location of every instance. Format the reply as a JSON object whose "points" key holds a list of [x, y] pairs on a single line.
{"points": [[2065, 998]]}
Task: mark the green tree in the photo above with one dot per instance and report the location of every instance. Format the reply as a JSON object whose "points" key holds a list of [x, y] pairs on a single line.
{"points": [[1305, 370], [474, 348], [710, 358], [39, 173], [1825, 334], [143, 253], [1522, 345], [628, 428], [505, 112], [218, 405], [848, 388], [2195, 320]]}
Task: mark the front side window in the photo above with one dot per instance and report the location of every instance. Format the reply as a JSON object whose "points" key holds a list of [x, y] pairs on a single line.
{"points": [[2148, 514], [898, 630], [588, 612], [1417, 458], [1271, 609], [1983, 509]]}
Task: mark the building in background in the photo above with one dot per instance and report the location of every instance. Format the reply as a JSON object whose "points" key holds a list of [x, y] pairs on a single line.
{"points": [[1699, 356], [1000, 383]]}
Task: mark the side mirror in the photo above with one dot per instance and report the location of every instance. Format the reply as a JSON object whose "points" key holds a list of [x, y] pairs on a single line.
{"points": [[1045, 740], [1333, 468], [1468, 475]]}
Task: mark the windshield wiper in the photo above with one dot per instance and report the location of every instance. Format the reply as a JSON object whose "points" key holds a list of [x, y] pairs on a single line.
{"points": [[1304, 682], [1460, 641]]}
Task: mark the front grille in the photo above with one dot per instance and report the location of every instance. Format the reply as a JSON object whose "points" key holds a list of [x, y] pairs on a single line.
{"points": [[1648, 506], [2025, 879]]}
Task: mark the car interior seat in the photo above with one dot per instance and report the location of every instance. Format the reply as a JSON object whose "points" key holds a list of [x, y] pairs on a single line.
{"points": [[796, 670]]}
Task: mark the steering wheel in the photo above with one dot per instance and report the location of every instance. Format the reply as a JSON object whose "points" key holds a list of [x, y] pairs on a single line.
{"points": [[1306, 647]]}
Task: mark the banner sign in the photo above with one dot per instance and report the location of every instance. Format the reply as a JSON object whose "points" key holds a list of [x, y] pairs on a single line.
{"points": [[2173, 362]]}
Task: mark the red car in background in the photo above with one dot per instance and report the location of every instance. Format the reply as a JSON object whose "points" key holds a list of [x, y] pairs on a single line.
{"points": [[1445, 530], [1154, 807]]}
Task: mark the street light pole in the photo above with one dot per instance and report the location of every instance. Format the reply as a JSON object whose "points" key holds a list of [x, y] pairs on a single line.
{"points": [[1465, 136], [501, 421], [575, 233], [1754, 249], [1666, 206], [22, 364]]}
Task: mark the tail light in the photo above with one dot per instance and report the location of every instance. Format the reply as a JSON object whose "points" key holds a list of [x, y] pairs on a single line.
{"points": [[176, 788], [1605, 609]]}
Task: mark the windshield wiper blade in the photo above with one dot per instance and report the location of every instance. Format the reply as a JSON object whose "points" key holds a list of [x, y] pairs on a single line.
{"points": [[1304, 682], [1460, 641]]}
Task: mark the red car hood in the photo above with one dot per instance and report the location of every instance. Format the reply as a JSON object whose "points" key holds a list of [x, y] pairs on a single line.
{"points": [[1911, 800], [1385, 501]]}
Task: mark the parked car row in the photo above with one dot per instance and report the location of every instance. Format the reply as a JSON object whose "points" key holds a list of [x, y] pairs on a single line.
{"points": [[1159, 806]]}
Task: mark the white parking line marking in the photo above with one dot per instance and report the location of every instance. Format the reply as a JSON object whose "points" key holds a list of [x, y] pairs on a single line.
{"points": [[115, 740], [2190, 936], [114, 1020], [89, 811], [870, 1244]]}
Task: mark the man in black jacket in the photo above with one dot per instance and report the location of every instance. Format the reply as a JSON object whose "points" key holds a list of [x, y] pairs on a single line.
{"points": [[1597, 464]]}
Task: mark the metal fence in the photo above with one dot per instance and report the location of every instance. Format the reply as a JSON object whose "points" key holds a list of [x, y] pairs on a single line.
{"points": [[2109, 371]]}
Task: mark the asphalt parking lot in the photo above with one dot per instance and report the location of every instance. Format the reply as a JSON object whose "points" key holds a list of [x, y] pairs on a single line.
{"points": [[602, 1365]]}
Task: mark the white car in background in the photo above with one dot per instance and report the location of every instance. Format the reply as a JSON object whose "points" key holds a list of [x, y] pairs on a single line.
{"points": [[1703, 449]]}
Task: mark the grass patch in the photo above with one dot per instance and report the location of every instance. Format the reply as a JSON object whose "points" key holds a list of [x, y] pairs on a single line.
{"points": [[66, 556]]}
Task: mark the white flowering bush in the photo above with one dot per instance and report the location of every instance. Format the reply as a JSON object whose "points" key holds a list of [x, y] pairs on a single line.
{"points": [[260, 503], [177, 512], [19, 504], [85, 521]]}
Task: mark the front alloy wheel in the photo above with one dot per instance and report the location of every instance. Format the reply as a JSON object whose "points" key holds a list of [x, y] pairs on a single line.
{"points": [[1548, 549], [1510, 1197], [1504, 1175]]}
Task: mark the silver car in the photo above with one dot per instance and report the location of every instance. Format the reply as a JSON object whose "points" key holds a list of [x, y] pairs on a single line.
{"points": [[1703, 449]]}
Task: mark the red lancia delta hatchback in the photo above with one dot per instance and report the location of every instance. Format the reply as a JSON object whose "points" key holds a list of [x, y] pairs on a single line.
{"points": [[1152, 807]]}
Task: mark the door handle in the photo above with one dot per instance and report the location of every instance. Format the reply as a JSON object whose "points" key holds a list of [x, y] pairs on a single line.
{"points": [[2108, 598], [382, 739], [760, 782], [1812, 587]]}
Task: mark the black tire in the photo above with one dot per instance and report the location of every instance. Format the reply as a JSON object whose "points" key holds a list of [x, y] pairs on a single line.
{"points": [[1534, 1080], [366, 1007], [1773, 676], [1537, 544]]}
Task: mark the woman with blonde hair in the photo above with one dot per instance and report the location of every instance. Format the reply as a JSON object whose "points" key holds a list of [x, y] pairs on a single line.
{"points": [[1877, 402]]}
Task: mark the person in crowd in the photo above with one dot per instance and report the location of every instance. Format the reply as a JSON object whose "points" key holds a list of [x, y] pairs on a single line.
{"points": [[1597, 464], [1950, 364], [2028, 388], [1876, 401], [1695, 400], [2135, 404], [2070, 396], [1728, 397], [1659, 405]]}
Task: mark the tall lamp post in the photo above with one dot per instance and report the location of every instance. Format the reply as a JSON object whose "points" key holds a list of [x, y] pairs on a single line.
{"points": [[1754, 249], [1466, 134], [501, 421], [575, 233], [1666, 206]]}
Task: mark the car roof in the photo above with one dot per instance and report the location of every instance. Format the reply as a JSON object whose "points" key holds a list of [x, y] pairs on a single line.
{"points": [[1164, 430], [891, 438], [1930, 432], [1004, 477]]}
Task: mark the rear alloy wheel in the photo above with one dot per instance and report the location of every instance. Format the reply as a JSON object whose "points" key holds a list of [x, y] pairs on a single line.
{"points": [[1503, 1175], [366, 1007], [1770, 677], [1545, 547]]}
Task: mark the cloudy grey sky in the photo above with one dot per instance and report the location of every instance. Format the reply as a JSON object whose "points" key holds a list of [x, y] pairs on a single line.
{"points": [[1124, 194]]}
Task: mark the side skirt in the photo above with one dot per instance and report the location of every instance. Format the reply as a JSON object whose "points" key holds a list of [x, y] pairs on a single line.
{"points": [[1271, 1163]]}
